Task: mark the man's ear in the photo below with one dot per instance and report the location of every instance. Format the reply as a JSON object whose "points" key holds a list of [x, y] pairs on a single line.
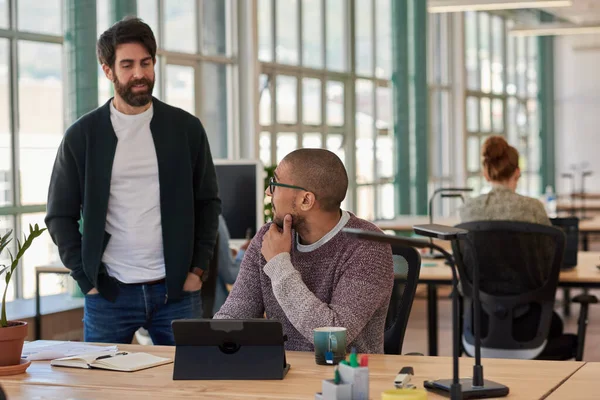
{"points": [[308, 201], [107, 72]]}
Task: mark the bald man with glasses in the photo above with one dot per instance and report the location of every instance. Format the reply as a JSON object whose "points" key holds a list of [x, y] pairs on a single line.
{"points": [[303, 271]]}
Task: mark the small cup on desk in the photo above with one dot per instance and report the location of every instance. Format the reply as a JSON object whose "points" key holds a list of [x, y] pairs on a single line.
{"points": [[330, 345]]}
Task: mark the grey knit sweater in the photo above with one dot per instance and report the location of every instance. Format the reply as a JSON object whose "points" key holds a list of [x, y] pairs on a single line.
{"points": [[338, 281]]}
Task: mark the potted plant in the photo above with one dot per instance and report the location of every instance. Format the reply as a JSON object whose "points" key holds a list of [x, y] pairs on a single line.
{"points": [[13, 333]]}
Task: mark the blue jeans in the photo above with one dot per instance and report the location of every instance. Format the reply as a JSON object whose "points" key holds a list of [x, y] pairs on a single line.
{"points": [[137, 306]]}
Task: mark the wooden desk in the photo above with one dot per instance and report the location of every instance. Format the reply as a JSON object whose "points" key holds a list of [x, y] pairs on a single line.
{"points": [[302, 382], [581, 385], [405, 223], [585, 275]]}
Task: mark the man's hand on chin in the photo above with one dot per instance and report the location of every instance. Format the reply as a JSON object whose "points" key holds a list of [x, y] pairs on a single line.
{"points": [[276, 241], [192, 283]]}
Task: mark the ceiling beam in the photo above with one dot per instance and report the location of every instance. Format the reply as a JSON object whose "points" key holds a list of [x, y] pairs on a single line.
{"points": [[555, 29]]}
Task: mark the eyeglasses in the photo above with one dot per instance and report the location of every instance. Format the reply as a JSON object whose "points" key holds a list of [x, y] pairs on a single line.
{"points": [[273, 183]]}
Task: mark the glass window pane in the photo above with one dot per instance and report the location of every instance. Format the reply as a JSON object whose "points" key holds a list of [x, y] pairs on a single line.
{"points": [[532, 86], [385, 201], [264, 108], [287, 32], [215, 15], [102, 16], [364, 109], [384, 108], [471, 62], [475, 182], [484, 51], [385, 156], [286, 143], [215, 80], [40, 16], [265, 27], [521, 66], [40, 116], [147, 10], [498, 115], [365, 172], [335, 28], [473, 151], [311, 101], [313, 140], [286, 95], [498, 56], [486, 117], [7, 224], [4, 15], [364, 37], [383, 15], [511, 84], [511, 118], [42, 252], [5, 132], [312, 34], [179, 87], [335, 144], [264, 144], [472, 114], [180, 26], [335, 103], [365, 198]]}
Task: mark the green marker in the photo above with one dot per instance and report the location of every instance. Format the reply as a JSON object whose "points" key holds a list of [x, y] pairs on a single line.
{"points": [[353, 358], [336, 376]]}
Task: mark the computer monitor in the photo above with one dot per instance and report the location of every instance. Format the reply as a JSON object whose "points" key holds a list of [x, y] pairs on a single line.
{"points": [[241, 189]]}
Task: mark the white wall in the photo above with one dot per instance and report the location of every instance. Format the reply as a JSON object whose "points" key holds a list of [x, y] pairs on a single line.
{"points": [[577, 109]]}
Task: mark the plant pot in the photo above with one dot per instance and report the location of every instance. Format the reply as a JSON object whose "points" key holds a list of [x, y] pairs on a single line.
{"points": [[11, 343]]}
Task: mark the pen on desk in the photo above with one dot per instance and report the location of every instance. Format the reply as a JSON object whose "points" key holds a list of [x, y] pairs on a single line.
{"points": [[121, 353]]}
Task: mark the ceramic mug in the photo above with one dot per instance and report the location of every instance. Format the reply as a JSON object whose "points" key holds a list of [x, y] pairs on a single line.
{"points": [[330, 345]]}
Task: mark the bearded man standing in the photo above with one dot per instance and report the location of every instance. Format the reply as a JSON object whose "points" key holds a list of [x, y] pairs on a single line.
{"points": [[133, 201]]}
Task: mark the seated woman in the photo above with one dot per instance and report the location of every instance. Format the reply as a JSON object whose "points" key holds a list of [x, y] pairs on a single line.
{"points": [[502, 203], [501, 168]]}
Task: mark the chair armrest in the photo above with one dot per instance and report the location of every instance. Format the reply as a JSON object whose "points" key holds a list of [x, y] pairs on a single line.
{"points": [[585, 299]]}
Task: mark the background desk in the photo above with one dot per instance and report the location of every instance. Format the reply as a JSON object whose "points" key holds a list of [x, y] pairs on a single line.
{"points": [[585, 275], [405, 223], [526, 379], [582, 385]]}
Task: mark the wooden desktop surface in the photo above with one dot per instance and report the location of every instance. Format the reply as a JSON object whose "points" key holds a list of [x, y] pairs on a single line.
{"points": [[526, 379], [406, 222], [582, 385], [585, 272]]}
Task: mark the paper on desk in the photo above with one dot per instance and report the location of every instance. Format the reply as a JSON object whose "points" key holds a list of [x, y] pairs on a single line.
{"points": [[52, 349]]}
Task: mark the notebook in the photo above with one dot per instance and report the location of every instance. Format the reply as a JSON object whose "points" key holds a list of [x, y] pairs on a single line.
{"points": [[115, 361]]}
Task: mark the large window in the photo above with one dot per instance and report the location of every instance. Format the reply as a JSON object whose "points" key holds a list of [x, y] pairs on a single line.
{"points": [[195, 61], [31, 128], [441, 49], [501, 96], [313, 95]]}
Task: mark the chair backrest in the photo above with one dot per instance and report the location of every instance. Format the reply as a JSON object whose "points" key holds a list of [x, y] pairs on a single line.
{"points": [[519, 264], [570, 227], [407, 263], [209, 288]]}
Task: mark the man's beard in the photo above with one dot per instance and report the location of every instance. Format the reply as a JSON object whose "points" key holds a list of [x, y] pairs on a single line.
{"points": [[297, 221], [138, 99]]}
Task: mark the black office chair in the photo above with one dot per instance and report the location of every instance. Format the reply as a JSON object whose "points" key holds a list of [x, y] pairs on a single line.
{"points": [[209, 288], [519, 266], [407, 263]]}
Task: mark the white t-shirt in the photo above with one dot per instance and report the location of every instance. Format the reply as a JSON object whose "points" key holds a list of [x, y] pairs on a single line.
{"points": [[135, 250]]}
